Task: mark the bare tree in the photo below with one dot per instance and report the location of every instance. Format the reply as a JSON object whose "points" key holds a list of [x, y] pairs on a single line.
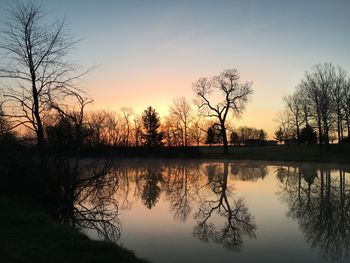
{"points": [[112, 128], [294, 106], [98, 122], [127, 113], [337, 93], [3, 121], [137, 131], [196, 132], [173, 131], [285, 130], [36, 66], [320, 100], [346, 106], [319, 83], [234, 96], [181, 110]]}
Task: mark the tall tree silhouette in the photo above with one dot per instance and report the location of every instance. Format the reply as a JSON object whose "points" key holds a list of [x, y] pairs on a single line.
{"points": [[151, 128], [37, 59], [234, 96], [181, 111]]}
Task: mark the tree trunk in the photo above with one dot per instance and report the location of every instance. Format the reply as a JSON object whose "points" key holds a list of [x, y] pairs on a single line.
{"points": [[339, 127], [348, 126], [319, 132], [39, 125], [298, 132], [224, 137]]}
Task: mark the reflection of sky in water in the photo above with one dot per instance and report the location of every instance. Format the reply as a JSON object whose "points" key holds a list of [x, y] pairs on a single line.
{"points": [[280, 206]]}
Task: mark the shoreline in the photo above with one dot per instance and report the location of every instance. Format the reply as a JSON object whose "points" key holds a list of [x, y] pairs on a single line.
{"points": [[281, 153], [28, 234]]}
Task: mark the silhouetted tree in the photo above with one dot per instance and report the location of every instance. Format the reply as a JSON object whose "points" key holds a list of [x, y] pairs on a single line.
{"points": [[337, 93], [151, 128], [324, 90], [214, 135], [37, 59], [285, 127], [279, 135], [173, 131], [181, 110], [346, 107], [235, 97], [196, 132], [234, 138], [127, 113], [137, 131], [4, 125], [294, 106], [250, 135], [97, 121], [308, 135]]}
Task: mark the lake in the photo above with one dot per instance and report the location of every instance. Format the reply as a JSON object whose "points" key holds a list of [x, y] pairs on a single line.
{"points": [[230, 211]]}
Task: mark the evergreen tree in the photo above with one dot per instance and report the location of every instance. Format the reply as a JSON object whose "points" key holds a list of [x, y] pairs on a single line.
{"points": [[151, 133], [308, 135], [279, 135]]}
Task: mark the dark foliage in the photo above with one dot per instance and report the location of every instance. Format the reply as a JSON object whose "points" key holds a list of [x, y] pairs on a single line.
{"points": [[308, 135], [151, 133], [214, 135]]}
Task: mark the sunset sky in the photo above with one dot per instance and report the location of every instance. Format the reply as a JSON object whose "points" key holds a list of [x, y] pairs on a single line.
{"points": [[148, 52]]}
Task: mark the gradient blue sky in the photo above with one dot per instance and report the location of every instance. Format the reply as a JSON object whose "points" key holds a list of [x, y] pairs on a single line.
{"points": [[148, 52]]}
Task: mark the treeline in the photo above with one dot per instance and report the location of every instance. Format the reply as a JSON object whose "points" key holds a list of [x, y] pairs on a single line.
{"points": [[182, 127], [68, 127], [319, 108]]}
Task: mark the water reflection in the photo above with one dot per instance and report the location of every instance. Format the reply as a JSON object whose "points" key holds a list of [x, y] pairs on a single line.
{"points": [[180, 187], [238, 222], [207, 197], [88, 199], [319, 200], [149, 184]]}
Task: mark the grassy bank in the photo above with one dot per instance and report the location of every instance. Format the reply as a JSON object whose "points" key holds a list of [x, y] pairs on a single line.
{"points": [[300, 153], [30, 235]]}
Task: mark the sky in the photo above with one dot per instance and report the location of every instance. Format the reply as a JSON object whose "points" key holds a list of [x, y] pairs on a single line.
{"points": [[149, 52]]}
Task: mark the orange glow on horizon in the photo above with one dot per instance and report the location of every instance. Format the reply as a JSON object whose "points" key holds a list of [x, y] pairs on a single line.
{"points": [[159, 89]]}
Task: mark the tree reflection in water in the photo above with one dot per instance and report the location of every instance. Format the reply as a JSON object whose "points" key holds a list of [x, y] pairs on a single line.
{"points": [[184, 186], [319, 200], [88, 200], [150, 186], [238, 222], [181, 182]]}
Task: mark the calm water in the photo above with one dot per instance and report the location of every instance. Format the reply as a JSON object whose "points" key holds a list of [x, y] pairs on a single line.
{"points": [[231, 211]]}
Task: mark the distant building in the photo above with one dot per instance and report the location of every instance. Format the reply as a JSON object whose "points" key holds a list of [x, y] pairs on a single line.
{"points": [[257, 142]]}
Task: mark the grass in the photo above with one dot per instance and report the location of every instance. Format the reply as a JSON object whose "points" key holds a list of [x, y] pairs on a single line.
{"points": [[301, 153], [30, 235]]}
